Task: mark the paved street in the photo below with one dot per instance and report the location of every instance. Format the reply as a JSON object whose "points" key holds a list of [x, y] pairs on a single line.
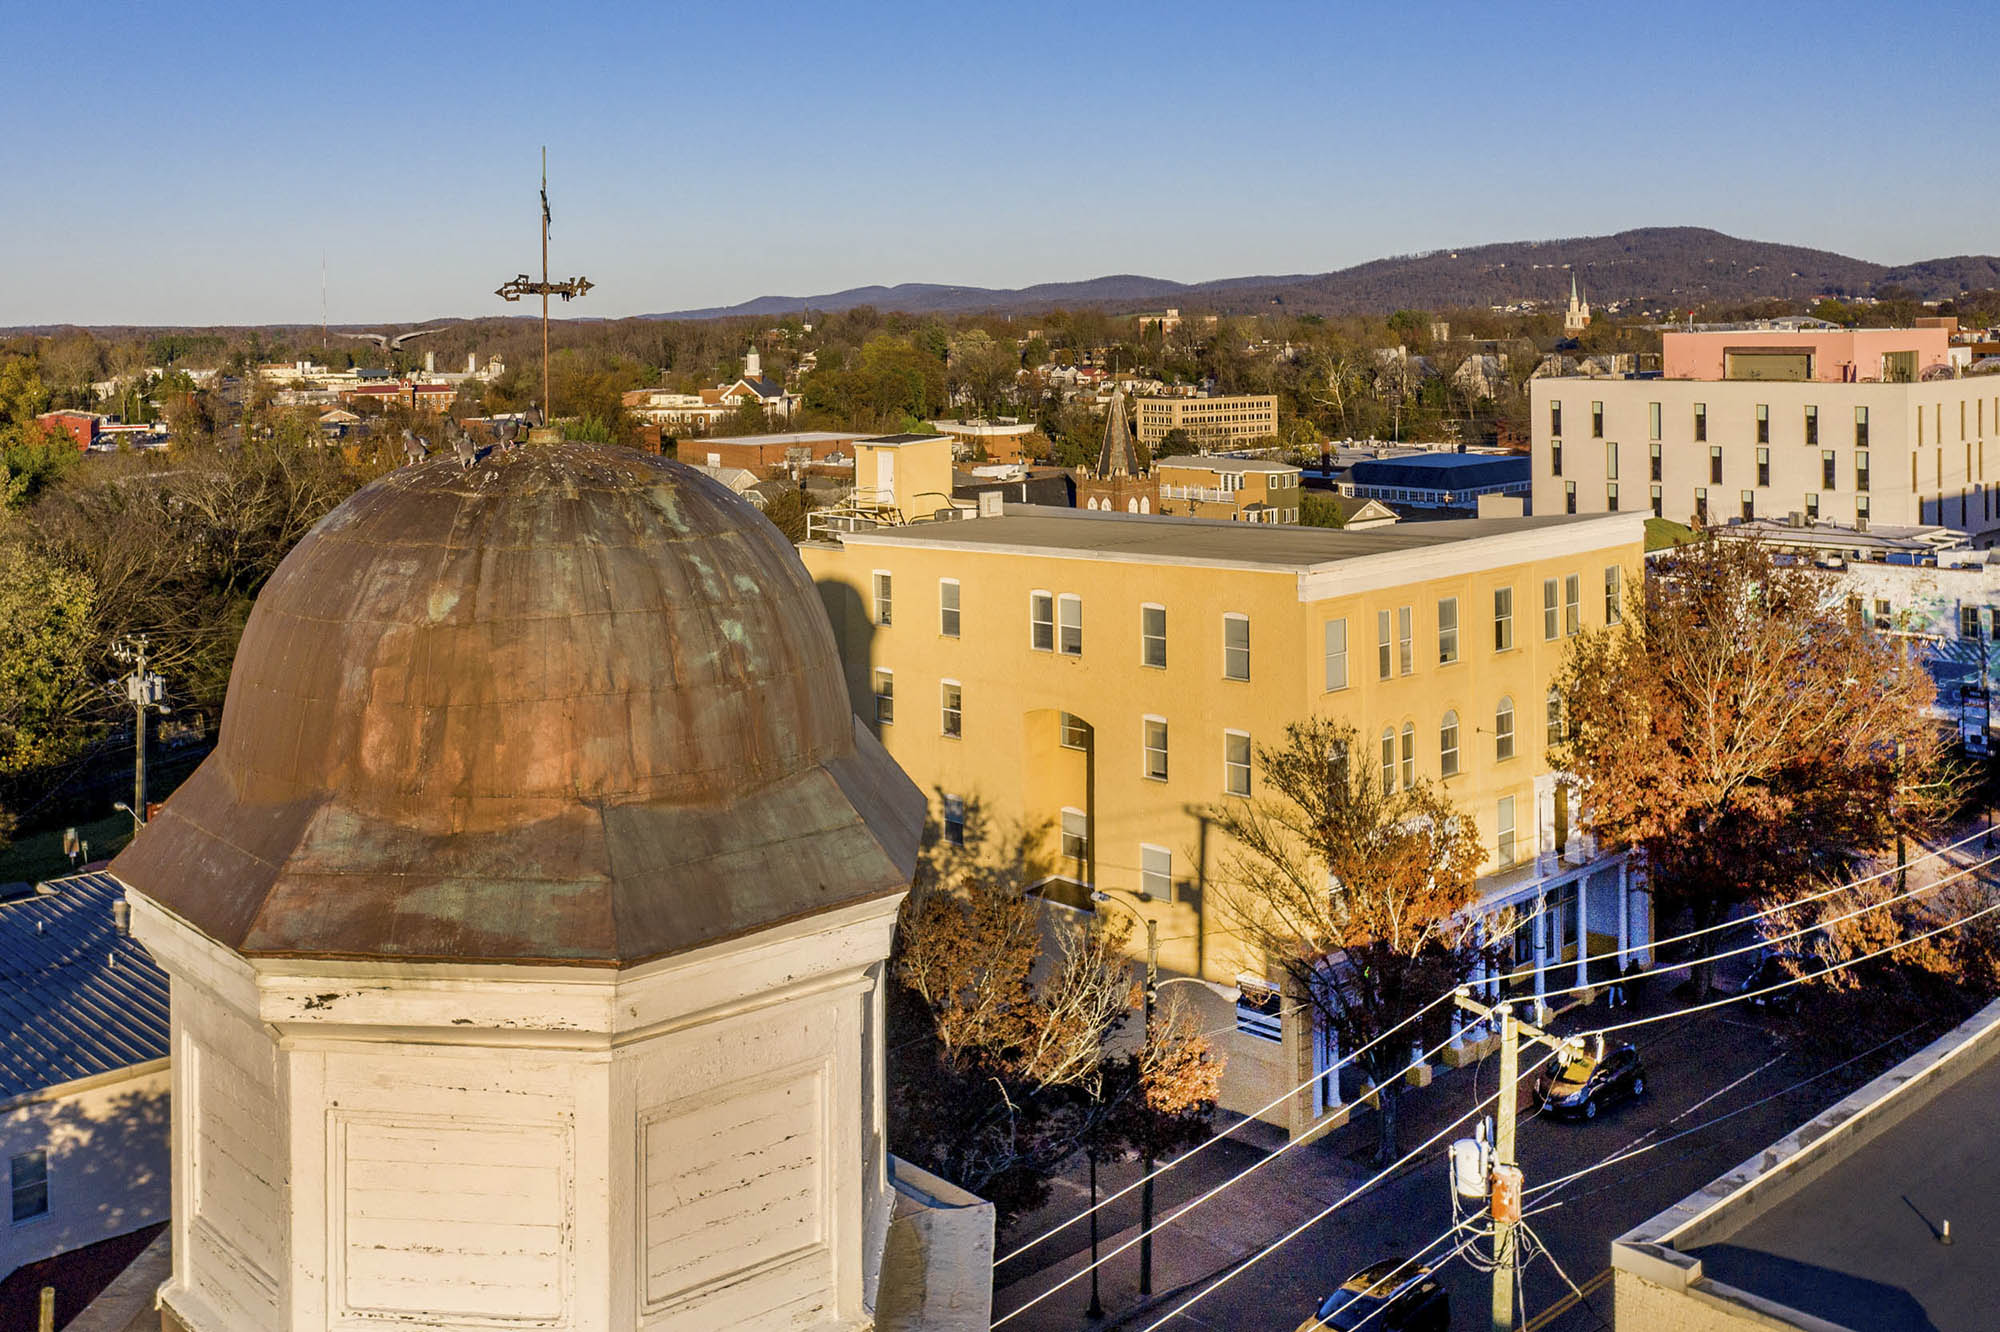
{"points": [[1698, 1067]]}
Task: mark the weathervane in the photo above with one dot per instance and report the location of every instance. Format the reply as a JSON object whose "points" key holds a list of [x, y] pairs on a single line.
{"points": [[523, 286]]}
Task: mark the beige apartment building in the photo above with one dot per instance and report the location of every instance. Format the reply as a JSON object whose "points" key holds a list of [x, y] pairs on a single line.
{"points": [[1769, 431], [1212, 423], [1243, 490], [1106, 675]]}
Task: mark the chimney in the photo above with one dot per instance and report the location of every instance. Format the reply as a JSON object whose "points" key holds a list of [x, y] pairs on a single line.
{"points": [[121, 915]]}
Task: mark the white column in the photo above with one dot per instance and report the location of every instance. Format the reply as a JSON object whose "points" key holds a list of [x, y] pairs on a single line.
{"points": [[1624, 914], [1540, 932], [1582, 932], [1644, 944]]}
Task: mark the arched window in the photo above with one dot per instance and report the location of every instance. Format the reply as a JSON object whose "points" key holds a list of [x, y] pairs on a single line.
{"points": [[1555, 718], [1503, 729], [1409, 755], [1131, 506], [1448, 745], [1388, 761], [1145, 505]]}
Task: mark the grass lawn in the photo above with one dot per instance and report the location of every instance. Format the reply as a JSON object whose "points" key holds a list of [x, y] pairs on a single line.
{"points": [[40, 855]]}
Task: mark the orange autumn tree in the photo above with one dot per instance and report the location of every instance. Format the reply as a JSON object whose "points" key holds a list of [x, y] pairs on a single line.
{"points": [[1746, 733], [1357, 892]]}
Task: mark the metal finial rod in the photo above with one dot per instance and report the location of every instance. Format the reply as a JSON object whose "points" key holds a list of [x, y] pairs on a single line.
{"points": [[521, 285]]}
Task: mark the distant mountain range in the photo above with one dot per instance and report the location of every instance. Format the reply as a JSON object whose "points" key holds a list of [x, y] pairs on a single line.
{"points": [[1663, 267]]}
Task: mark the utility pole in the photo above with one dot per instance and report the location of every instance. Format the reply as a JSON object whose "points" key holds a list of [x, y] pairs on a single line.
{"points": [[522, 285], [1146, 1161], [1505, 1182], [145, 691]]}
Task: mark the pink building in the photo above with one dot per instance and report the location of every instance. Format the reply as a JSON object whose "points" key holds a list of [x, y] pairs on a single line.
{"points": [[1838, 356]]}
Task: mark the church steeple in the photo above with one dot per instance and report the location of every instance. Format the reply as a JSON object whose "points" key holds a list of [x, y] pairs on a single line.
{"points": [[1577, 317], [1117, 457]]}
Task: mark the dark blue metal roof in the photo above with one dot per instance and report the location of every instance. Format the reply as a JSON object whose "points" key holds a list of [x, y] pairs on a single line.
{"points": [[77, 998], [1443, 471]]}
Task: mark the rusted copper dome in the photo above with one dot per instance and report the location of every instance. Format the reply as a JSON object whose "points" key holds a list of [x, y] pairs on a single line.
{"points": [[572, 704]]}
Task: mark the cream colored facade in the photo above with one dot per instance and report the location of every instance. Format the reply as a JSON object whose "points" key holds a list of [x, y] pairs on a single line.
{"points": [[1243, 490], [1712, 450], [1209, 422], [1110, 674]]}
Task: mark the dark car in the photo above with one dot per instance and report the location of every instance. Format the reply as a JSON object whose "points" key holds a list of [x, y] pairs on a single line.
{"points": [[1585, 1082], [1775, 970], [1398, 1294]]}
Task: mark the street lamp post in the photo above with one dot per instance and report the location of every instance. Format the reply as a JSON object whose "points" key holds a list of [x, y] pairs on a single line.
{"points": [[1146, 1160]]}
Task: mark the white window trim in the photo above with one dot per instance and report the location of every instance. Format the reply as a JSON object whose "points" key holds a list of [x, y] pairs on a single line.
{"points": [[1145, 606], [1062, 833], [958, 610], [1227, 616], [1457, 652], [1032, 594], [875, 597], [875, 691], [1146, 749], [1249, 759], [1346, 654], [1062, 733], [1168, 852], [960, 709], [1062, 600]]}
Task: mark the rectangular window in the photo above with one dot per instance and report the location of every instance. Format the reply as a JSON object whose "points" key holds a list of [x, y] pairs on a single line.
{"points": [[1653, 458], [1447, 630], [1503, 730], [1154, 735], [1409, 756], [1072, 732], [884, 601], [948, 607], [1828, 471], [1749, 498], [1860, 427], [1383, 647], [1597, 420], [1153, 636], [1503, 618], [1572, 604], [1861, 508], [1968, 621], [1812, 424], [1569, 496], [1883, 619], [1551, 609], [954, 820], [1658, 507], [1388, 762], [1701, 505], [885, 697], [1236, 647], [1701, 423], [1555, 457], [1763, 423], [953, 720], [1555, 418], [1763, 467], [1075, 835], [1069, 617], [1505, 844], [1611, 496], [30, 1178], [1334, 651], [1041, 621], [1812, 507], [1406, 639], [1156, 873], [1236, 763], [1611, 460], [1652, 420], [1715, 464], [1613, 610], [1861, 470], [1448, 745]]}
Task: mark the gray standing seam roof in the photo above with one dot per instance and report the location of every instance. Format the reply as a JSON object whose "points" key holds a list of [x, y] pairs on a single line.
{"points": [[68, 1010]]}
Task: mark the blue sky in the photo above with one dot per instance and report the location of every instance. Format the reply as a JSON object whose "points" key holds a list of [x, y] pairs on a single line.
{"points": [[191, 163]]}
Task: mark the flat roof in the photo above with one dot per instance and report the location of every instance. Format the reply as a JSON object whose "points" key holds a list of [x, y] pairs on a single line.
{"points": [[893, 441], [791, 437], [1443, 471], [1156, 539], [1219, 463], [985, 427], [1840, 1220]]}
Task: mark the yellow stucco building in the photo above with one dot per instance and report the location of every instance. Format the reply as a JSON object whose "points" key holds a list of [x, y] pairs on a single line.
{"points": [[1110, 674]]}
